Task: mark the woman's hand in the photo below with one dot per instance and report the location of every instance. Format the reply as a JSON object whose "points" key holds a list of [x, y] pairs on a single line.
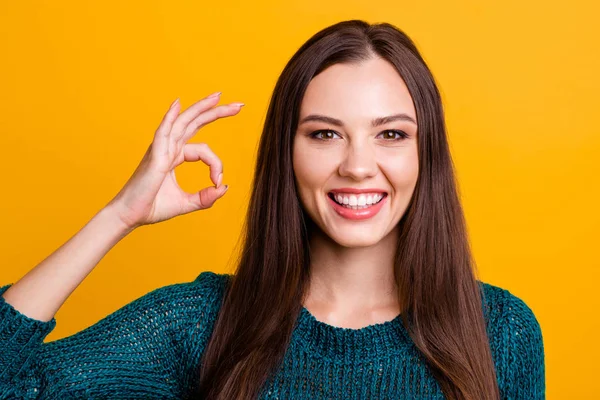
{"points": [[152, 194]]}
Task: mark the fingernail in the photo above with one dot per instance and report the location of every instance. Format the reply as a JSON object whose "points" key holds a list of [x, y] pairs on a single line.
{"points": [[226, 187], [216, 94], [237, 104], [219, 179], [175, 102]]}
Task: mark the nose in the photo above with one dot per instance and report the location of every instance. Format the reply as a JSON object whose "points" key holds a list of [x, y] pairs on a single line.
{"points": [[359, 162]]}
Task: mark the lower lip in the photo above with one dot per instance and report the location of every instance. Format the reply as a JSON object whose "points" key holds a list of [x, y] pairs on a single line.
{"points": [[359, 214]]}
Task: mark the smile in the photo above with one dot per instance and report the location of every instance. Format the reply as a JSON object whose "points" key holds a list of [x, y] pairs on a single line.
{"points": [[357, 206], [357, 202]]}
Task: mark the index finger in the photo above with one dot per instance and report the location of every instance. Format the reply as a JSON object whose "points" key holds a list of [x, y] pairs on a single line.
{"points": [[211, 115], [192, 111]]}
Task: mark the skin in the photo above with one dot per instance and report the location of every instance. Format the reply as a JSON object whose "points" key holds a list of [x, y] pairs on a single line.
{"points": [[151, 195], [352, 283]]}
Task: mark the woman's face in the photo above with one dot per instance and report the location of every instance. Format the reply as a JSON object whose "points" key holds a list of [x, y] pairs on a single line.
{"points": [[356, 145]]}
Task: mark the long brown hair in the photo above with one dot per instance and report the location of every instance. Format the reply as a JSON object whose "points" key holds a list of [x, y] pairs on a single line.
{"points": [[434, 268]]}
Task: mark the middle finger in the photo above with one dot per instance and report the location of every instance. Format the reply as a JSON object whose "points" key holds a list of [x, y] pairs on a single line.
{"points": [[209, 116], [192, 112]]}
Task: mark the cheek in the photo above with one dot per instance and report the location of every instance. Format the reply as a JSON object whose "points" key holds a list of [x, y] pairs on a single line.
{"points": [[312, 168], [402, 170]]}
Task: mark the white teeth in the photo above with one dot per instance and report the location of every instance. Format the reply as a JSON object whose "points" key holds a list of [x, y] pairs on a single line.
{"points": [[361, 201]]}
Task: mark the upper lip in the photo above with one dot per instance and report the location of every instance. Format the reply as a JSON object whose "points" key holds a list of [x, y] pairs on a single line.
{"points": [[356, 191]]}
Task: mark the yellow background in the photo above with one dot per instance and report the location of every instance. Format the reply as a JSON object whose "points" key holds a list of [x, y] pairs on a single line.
{"points": [[85, 85]]}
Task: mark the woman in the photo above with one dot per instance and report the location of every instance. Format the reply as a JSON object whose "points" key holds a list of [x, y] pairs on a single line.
{"points": [[355, 280]]}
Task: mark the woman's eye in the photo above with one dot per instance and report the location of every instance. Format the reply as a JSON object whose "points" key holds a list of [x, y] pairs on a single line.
{"points": [[323, 134], [391, 134]]}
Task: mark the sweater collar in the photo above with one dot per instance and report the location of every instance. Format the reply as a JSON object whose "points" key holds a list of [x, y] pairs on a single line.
{"points": [[347, 344]]}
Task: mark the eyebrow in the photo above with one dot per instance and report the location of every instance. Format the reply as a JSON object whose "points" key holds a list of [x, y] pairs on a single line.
{"points": [[375, 123]]}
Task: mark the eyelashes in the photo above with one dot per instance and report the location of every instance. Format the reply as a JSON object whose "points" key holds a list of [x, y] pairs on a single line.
{"points": [[397, 135], [401, 134]]}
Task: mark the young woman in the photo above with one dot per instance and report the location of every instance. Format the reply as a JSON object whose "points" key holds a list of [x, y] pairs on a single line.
{"points": [[355, 281]]}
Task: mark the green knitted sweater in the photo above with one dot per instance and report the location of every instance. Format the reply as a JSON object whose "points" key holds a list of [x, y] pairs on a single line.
{"points": [[151, 348]]}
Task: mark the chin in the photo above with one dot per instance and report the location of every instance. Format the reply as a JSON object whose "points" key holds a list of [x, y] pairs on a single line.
{"points": [[355, 239]]}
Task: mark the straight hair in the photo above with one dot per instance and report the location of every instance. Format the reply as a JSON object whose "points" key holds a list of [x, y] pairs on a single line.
{"points": [[434, 267]]}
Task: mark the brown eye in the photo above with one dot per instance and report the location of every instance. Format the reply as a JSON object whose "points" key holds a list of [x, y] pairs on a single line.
{"points": [[391, 135], [323, 134]]}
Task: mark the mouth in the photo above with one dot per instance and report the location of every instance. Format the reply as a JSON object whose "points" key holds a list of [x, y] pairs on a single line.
{"points": [[356, 201], [357, 204]]}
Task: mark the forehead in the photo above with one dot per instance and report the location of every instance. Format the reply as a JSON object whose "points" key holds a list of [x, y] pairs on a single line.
{"points": [[358, 92]]}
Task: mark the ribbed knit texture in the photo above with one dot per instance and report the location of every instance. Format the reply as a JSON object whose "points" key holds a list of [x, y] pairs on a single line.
{"points": [[151, 349]]}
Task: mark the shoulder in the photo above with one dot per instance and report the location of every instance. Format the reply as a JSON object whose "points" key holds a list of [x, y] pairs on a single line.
{"points": [[190, 307], [204, 291], [516, 340], [502, 306], [209, 280], [187, 302]]}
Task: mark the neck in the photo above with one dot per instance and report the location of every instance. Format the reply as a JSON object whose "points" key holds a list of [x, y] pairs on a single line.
{"points": [[352, 278]]}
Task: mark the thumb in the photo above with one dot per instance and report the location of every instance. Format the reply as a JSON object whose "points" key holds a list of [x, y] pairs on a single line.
{"points": [[205, 198]]}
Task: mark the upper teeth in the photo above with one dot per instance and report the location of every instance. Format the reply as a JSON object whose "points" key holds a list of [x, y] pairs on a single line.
{"points": [[361, 200]]}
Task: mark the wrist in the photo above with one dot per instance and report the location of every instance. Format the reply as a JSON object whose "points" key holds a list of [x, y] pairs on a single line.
{"points": [[111, 216]]}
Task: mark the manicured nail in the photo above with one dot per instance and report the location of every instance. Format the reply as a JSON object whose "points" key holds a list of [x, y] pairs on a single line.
{"points": [[219, 179], [237, 104], [216, 94]]}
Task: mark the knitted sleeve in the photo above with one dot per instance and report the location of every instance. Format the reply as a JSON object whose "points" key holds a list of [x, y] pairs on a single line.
{"points": [[527, 373], [135, 352]]}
